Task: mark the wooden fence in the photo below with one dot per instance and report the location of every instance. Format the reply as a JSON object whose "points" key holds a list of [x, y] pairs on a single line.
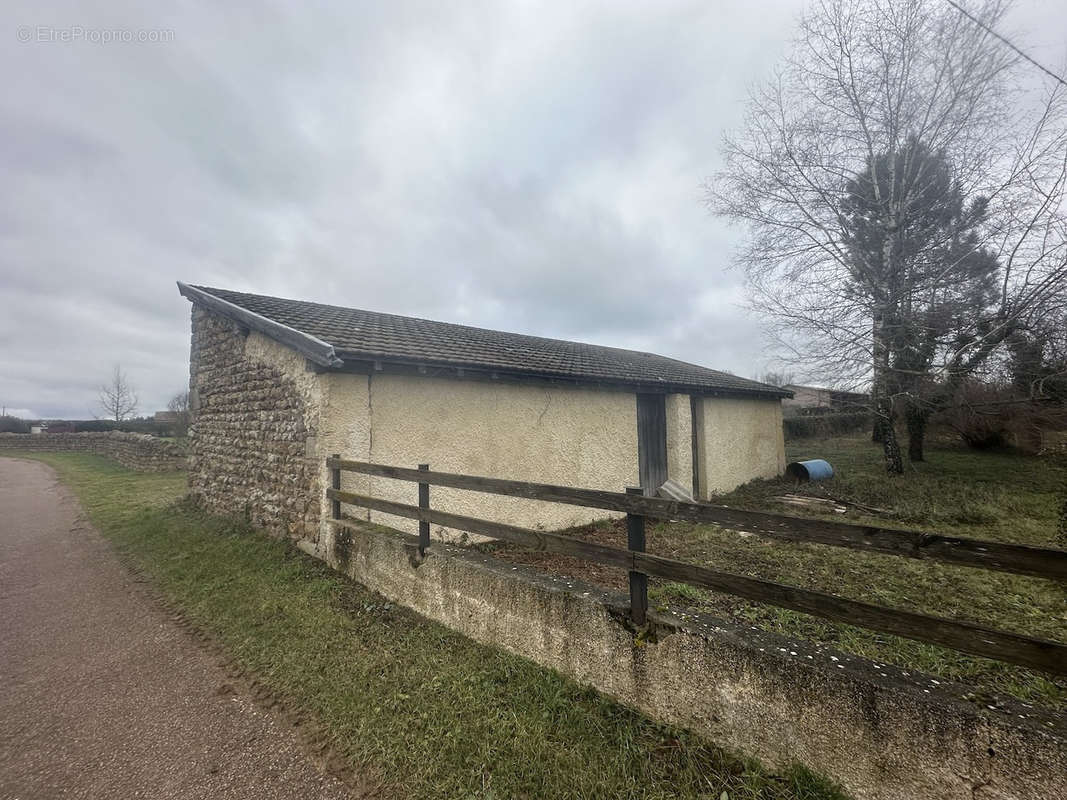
{"points": [[978, 640]]}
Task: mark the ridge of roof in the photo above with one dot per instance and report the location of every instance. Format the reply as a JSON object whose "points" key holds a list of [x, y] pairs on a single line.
{"points": [[351, 333]]}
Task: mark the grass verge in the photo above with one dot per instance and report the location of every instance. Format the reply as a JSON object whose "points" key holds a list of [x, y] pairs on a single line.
{"points": [[428, 712]]}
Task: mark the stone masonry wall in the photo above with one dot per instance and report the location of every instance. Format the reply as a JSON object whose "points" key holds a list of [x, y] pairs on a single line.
{"points": [[136, 451], [253, 432]]}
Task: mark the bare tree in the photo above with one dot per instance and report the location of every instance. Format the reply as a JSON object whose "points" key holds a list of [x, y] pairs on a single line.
{"points": [[776, 378], [867, 83], [117, 397], [179, 405]]}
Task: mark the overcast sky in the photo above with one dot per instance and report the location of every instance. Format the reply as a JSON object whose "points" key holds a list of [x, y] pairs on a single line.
{"points": [[531, 167]]}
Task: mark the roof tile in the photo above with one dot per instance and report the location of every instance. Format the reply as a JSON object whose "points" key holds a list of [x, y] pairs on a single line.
{"points": [[359, 334]]}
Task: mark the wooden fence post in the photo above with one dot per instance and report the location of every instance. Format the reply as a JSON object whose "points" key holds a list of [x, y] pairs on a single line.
{"points": [[336, 485], [635, 540], [424, 503]]}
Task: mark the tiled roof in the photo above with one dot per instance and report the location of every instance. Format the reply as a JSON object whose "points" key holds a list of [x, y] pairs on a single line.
{"points": [[370, 335]]}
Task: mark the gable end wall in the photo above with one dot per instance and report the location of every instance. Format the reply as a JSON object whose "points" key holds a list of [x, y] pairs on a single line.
{"points": [[255, 419]]}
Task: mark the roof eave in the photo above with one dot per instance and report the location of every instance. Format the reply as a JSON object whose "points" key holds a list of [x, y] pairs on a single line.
{"points": [[360, 361], [325, 355], [316, 350]]}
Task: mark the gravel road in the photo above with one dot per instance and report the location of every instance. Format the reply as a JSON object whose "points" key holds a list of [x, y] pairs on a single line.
{"points": [[102, 694]]}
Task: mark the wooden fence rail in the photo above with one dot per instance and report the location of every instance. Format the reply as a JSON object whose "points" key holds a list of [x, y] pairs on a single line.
{"points": [[975, 639], [1020, 559]]}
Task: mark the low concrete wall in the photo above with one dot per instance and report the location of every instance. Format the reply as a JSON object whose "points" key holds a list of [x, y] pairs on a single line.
{"points": [[133, 450], [880, 732]]}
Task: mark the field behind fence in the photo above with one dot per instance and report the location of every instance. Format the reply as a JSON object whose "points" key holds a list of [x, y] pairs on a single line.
{"points": [[1005, 646]]}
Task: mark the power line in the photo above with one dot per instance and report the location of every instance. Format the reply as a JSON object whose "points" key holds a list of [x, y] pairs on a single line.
{"points": [[992, 32]]}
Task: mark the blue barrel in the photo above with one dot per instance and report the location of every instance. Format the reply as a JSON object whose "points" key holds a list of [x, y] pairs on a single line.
{"points": [[813, 470]]}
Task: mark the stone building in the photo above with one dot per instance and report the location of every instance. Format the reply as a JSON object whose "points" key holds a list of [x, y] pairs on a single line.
{"points": [[278, 385]]}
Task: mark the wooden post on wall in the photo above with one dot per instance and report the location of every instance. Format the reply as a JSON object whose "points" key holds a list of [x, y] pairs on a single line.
{"points": [[336, 485], [424, 503], [635, 540]]}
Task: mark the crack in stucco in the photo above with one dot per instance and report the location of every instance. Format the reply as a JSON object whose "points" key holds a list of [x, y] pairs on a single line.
{"points": [[548, 402]]}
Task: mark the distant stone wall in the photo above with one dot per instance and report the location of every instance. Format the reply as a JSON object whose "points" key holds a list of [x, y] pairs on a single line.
{"points": [[255, 412], [136, 451]]}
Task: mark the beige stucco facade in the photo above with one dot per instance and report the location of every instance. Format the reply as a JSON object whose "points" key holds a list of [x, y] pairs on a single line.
{"points": [[548, 434], [563, 434], [738, 440], [680, 439]]}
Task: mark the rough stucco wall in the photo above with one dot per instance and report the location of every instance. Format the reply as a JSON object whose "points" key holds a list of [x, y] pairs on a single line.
{"points": [[256, 415], [740, 439], [680, 439], [883, 733], [346, 430], [562, 435]]}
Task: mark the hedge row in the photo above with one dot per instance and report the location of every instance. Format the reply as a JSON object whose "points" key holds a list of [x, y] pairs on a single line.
{"points": [[826, 424]]}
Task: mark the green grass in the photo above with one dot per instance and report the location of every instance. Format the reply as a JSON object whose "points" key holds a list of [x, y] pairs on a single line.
{"points": [[1001, 495], [425, 711], [986, 495]]}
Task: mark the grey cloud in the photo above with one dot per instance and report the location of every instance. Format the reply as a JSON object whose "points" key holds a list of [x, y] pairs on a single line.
{"points": [[522, 166]]}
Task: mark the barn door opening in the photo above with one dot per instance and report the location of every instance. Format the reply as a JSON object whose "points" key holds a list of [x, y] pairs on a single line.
{"points": [[652, 441]]}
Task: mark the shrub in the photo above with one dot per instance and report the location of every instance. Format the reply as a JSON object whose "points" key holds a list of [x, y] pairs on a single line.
{"points": [[10, 424], [987, 415], [825, 424], [135, 425]]}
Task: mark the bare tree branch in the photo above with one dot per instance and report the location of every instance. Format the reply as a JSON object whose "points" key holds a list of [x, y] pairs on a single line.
{"points": [[866, 81], [117, 397]]}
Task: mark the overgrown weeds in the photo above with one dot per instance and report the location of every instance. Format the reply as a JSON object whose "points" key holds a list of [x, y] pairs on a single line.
{"points": [[1001, 496]]}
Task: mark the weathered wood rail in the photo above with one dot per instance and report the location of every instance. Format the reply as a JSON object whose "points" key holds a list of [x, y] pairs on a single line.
{"points": [[978, 640]]}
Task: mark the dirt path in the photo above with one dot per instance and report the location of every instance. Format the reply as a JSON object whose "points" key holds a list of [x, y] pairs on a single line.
{"points": [[104, 696]]}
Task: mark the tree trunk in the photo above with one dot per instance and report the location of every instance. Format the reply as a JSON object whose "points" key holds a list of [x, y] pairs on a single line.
{"points": [[916, 418], [883, 402], [1061, 529], [894, 461], [878, 430]]}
